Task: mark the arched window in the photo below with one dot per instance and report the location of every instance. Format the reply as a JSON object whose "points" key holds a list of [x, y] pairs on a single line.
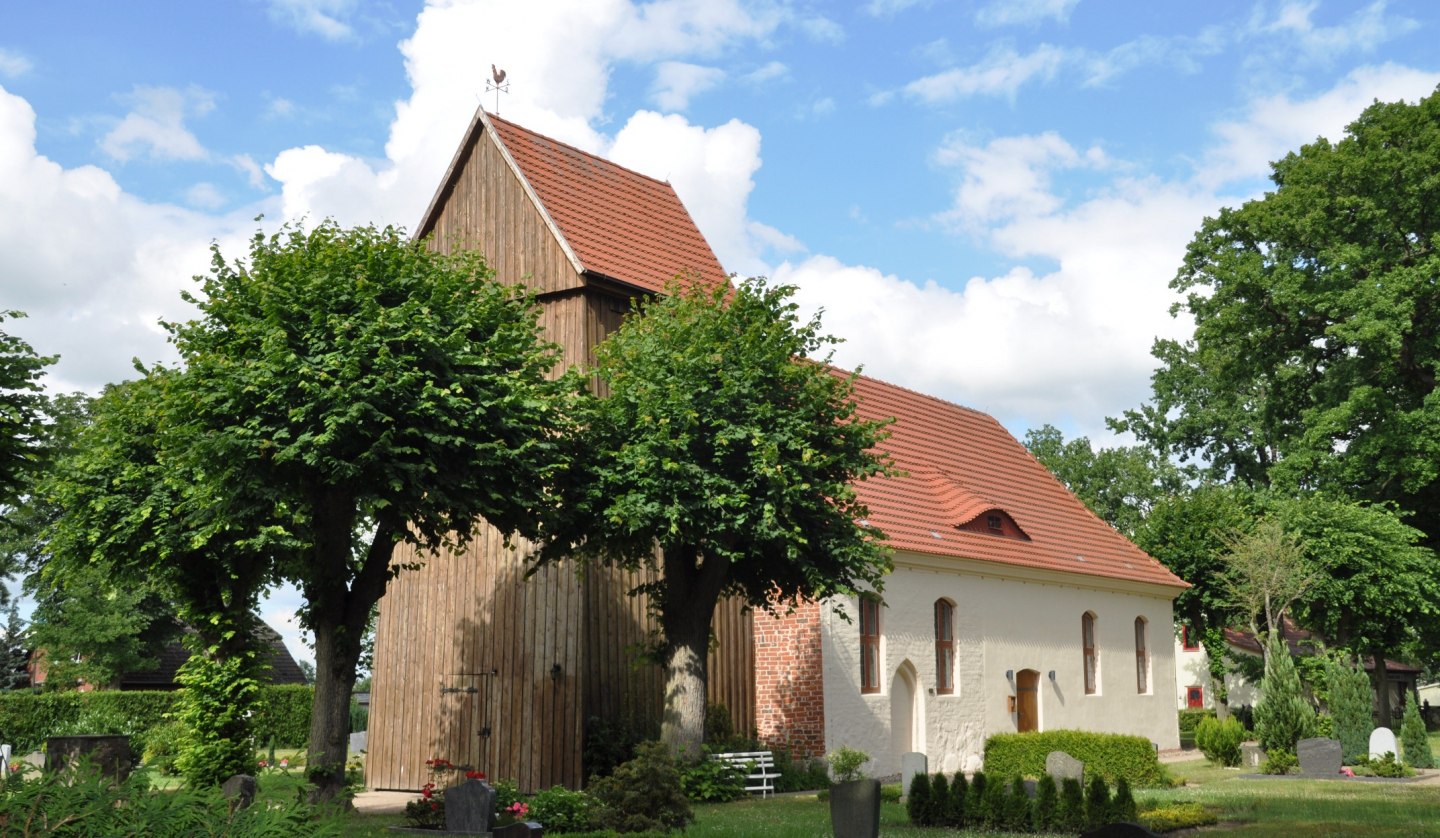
{"points": [[869, 644], [1142, 658], [944, 647], [1092, 653]]}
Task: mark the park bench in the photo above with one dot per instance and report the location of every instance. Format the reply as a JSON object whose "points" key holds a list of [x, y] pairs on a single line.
{"points": [[758, 766]]}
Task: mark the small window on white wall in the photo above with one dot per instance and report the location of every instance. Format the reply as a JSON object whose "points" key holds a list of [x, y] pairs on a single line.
{"points": [[944, 647], [1092, 653], [1142, 658], [869, 644]]}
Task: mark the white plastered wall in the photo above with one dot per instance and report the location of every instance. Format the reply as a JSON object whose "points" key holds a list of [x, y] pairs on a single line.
{"points": [[1001, 624]]}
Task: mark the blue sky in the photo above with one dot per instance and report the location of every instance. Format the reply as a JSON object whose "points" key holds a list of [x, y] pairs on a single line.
{"points": [[988, 199]]}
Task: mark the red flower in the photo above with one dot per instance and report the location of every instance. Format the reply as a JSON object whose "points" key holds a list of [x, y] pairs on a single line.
{"points": [[474, 775]]}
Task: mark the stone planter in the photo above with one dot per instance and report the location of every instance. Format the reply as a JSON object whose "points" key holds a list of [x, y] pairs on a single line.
{"points": [[111, 754], [855, 809]]}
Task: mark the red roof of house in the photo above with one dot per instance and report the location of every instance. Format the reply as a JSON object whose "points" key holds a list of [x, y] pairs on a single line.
{"points": [[960, 464], [619, 223], [1304, 642]]}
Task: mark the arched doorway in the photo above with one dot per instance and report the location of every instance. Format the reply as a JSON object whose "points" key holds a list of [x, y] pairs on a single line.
{"points": [[1027, 700], [907, 721]]}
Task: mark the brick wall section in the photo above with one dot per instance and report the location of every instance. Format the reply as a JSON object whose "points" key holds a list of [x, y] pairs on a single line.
{"points": [[789, 682]]}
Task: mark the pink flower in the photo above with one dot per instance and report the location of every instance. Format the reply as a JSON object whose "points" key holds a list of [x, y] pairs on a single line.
{"points": [[1347, 771], [262, 763], [285, 762]]}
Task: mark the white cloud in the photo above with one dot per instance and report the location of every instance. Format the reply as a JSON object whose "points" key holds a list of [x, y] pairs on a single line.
{"points": [[247, 166], [325, 18], [155, 125], [1008, 177], [1024, 12], [889, 8], [1001, 73], [677, 81], [1276, 125], [13, 64], [768, 73], [205, 196], [1363, 31]]}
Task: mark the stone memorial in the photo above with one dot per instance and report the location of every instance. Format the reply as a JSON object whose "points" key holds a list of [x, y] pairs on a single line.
{"points": [[1319, 756], [1252, 755], [1062, 766], [239, 790], [469, 808], [911, 764], [4, 761], [1382, 742]]}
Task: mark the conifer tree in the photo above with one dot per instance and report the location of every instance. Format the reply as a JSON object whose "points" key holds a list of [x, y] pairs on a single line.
{"points": [[1282, 715], [1047, 804], [958, 804], [939, 800], [1350, 706], [917, 799], [1413, 740]]}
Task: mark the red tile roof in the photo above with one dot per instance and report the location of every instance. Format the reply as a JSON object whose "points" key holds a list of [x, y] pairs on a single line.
{"points": [[960, 463], [619, 223]]}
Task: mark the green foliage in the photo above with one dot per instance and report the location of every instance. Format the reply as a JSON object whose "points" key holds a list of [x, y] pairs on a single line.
{"points": [[86, 803], [1017, 807], [1176, 816], [1323, 726], [1413, 739], [1191, 717], [975, 800], [845, 764], [958, 803], [1107, 754], [1122, 807], [801, 774], [612, 741], [562, 810], [917, 800], [1097, 802], [1220, 740], [726, 440], [1282, 715], [22, 419], [939, 800], [1119, 484], [1279, 761], [216, 706], [712, 781], [719, 727], [1071, 817], [1047, 804], [1385, 765], [643, 795], [992, 804], [282, 714], [163, 746]]}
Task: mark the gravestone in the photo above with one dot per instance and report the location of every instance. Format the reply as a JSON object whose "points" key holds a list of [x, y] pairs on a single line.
{"points": [[1319, 756], [239, 790], [1382, 742], [522, 829], [1062, 766], [911, 764], [469, 807], [1251, 755], [358, 742], [111, 754]]}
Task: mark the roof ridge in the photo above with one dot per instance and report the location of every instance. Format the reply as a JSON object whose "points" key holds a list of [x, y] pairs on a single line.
{"points": [[911, 391], [578, 150]]}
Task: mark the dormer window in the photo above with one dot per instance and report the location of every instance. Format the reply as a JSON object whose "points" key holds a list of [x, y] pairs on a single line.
{"points": [[994, 523]]}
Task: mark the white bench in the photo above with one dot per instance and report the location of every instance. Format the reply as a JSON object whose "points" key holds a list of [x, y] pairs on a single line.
{"points": [[758, 766]]}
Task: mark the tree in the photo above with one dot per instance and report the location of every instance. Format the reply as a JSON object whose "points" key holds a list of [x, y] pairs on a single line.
{"points": [[353, 391], [726, 441], [22, 425], [1350, 701], [1120, 485], [1313, 363], [1282, 715], [14, 651], [1265, 574]]}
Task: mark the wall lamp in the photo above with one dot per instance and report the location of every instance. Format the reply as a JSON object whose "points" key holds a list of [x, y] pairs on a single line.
{"points": [[1052, 676], [1010, 675]]}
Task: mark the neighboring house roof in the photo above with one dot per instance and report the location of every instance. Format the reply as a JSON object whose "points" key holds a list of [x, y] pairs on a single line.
{"points": [[616, 223], [1303, 642], [959, 464], [283, 668]]}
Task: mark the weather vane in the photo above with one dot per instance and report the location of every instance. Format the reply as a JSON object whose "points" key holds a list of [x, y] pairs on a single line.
{"points": [[499, 85]]}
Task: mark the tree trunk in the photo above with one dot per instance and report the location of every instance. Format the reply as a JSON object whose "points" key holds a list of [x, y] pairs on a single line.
{"points": [[692, 588], [335, 662]]}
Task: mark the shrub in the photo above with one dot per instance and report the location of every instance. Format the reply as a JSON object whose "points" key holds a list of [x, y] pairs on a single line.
{"points": [[163, 746], [975, 800], [1047, 804], [612, 741], [1279, 761], [282, 714], [1176, 816], [917, 800], [563, 810], [644, 794], [711, 781], [845, 764], [1017, 807], [1387, 766], [1190, 719], [1072, 806], [1350, 703], [992, 804], [1413, 740], [1220, 740], [1107, 754], [939, 800], [1122, 807], [800, 775], [955, 806], [1097, 803], [1282, 715], [890, 793], [215, 707]]}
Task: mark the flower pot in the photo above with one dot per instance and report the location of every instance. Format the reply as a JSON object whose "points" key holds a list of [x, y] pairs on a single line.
{"points": [[855, 809]]}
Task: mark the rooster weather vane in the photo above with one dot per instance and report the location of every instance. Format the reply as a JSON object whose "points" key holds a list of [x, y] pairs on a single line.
{"points": [[497, 84]]}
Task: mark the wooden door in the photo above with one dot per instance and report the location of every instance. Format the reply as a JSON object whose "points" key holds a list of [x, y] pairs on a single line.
{"points": [[1027, 700], [465, 727]]}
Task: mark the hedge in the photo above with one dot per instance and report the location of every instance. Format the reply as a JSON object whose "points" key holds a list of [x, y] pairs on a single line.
{"points": [[27, 718], [1191, 717], [1110, 755]]}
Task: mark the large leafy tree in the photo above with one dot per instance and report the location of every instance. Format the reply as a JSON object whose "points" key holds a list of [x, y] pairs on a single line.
{"points": [[727, 442], [22, 425], [1314, 358], [354, 391], [1119, 484]]}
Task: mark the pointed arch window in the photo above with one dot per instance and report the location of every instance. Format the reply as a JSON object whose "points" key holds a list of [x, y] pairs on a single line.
{"points": [[944, 647], [1142, 657], [1092, 653]]}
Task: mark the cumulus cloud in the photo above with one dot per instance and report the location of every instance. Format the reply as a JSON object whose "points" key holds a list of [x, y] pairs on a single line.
{"points": [[1010, 176], [155, 126], [677, 81], [1023, 12], [1363, 31]]}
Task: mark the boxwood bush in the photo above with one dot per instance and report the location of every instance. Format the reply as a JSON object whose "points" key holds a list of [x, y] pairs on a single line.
{"points": [[1109, 755]]}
